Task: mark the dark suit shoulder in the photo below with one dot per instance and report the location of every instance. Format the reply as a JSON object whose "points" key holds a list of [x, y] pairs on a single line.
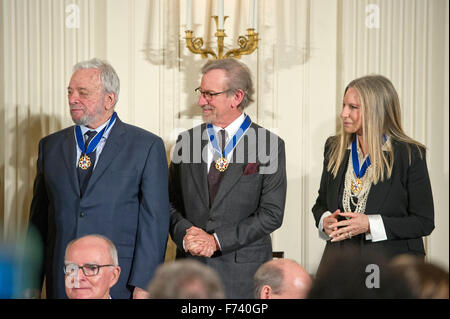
{"points": [[331, 140], [139, 132], [58, 135], [261, 130], [200, 127], [408, 151]]}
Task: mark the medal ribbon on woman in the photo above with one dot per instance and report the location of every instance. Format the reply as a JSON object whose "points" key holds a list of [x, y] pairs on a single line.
{"points": [[356, 184], [222, 163], [85, 161]]}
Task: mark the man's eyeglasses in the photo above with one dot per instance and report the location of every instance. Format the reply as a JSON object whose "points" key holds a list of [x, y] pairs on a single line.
{"points": [[207, 95], [88, 269]]}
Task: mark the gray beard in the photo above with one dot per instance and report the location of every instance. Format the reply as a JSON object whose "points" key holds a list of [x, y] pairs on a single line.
{"points": [[209, 119], [81, 121]]}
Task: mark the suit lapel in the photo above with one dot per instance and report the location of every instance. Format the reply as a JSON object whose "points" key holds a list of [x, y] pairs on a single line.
{"points": [[230, 178], [335, 183], [199, 171], [377, 196], [113, 146], [70, 157], [199, 175]]}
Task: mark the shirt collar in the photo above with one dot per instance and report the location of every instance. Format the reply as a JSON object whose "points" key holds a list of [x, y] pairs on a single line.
{"points": [[384, 147], [85, 129], [232, 128]]}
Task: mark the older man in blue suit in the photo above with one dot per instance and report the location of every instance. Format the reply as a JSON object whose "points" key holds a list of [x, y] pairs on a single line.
{"points": [[101, 176]]}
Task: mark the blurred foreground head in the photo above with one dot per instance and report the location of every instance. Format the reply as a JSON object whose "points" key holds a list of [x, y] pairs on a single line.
{"points": [[281, 279], [353, 275], [186, 279], [428, 281]]}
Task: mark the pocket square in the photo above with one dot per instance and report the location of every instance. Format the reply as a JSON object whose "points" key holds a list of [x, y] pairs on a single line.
{"points": [[251, 168]]}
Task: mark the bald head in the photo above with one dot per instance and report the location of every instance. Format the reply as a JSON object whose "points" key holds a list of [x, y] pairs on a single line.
{"points": [[281, 278], [91, 267]]}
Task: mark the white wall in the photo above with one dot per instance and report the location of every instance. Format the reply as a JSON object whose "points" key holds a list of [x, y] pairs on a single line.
{"points": [[308, 52]]}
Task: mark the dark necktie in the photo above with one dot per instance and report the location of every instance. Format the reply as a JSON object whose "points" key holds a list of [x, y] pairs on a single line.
{"points": [[214, 175], [85, 174]]}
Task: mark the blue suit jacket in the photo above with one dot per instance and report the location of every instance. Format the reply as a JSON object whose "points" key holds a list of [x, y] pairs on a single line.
{"points": [[126, 200]]}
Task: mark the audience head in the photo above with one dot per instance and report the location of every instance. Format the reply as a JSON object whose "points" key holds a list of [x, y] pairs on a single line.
{"points": [[8, 269], [185, 279], [352, 275], [91, 267], [428, 281], [281, 279]]}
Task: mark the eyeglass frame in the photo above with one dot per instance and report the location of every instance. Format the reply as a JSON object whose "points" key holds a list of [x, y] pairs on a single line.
{"points": [[86, 265], [210, 94]]}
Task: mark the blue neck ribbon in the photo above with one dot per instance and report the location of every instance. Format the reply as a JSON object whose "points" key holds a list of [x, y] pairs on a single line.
{"points": [[360, 172], [233, 141], [94, 142]]}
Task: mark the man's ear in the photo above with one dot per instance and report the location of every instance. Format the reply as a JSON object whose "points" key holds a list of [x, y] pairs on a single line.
{"points": [[237, 98], [115, 276], [109, 100], [266, 292]]}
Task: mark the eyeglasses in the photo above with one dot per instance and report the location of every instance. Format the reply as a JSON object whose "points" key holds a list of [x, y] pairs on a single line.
{"points": [[88, 269], [209, 95]]}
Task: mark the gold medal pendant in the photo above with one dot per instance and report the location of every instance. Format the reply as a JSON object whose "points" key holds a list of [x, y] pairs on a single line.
{"points": [[221, 164], [84, 162], [356, 185]]}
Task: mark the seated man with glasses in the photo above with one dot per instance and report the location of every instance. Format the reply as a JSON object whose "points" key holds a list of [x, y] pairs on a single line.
{"points": [[91, 267]]}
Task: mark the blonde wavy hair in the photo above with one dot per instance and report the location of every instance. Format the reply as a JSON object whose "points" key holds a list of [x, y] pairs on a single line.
{"points": [[380, 109]]}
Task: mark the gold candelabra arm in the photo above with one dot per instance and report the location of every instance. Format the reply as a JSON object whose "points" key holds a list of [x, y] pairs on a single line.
{"points": [[195, 45], [246, 44]]}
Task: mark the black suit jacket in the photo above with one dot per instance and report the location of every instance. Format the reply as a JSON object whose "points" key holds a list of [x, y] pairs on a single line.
{"points": [[126, 200], [404, 201], [246, 209]]}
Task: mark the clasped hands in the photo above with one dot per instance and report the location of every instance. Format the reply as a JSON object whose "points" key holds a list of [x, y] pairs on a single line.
{"points": [[197, 242], [355, 224]]}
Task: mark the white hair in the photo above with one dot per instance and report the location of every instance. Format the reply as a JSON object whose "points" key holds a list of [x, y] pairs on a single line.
{"points": [[111, 247], [108, 76]]}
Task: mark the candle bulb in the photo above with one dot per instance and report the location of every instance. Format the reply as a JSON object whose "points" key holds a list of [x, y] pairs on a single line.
{"points": [[252, 14], [189, 15], [220, 8], [255, 16]]}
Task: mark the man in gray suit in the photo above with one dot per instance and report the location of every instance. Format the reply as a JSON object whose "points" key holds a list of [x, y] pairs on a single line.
{"points": [[105, 177], [227, 182]]}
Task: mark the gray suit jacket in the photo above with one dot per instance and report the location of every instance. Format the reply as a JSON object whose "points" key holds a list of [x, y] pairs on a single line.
{"points": [[126, 200], [249, 204]]}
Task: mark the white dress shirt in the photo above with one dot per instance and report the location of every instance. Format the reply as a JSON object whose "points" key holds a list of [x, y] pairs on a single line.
{"points": [[100, 145], [231, 130]]}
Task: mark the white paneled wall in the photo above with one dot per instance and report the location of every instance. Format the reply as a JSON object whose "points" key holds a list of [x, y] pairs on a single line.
{"points": [[39, 48], [308, 51], [409, 48]]}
